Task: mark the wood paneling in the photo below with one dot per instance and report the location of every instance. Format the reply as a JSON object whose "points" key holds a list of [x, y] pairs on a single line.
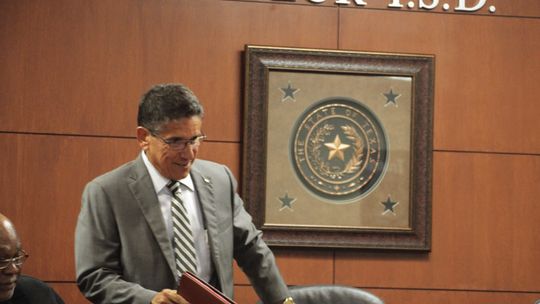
{"points": [[51, 172], [292, 2], [74, 67], [521, 8], [453, 296], [486, 72], [245, 295], [484, 231], [300, 267], [69, 292], [42, 178], [503, 8], [89, 62]]}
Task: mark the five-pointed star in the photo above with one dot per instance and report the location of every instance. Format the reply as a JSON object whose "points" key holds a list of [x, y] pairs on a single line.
{"points": [[336, 148], [391, 97], [286, 201], [389, 205], [288, 92]]}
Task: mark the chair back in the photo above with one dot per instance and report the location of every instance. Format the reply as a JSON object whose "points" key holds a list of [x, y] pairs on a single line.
{"points": [[331, 294]]}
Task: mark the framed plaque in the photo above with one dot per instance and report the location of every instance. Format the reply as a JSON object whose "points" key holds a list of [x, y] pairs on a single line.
{"points": [[338, 147]]}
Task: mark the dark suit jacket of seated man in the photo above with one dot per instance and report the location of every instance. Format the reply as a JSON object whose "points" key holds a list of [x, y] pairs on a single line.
{"points": [[33, 291]]}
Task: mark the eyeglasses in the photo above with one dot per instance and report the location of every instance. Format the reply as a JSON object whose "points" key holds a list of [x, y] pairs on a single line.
{"points": [[17, 260], [180, 144]]}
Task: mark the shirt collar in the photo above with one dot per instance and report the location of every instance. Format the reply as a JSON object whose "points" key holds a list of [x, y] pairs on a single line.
{"points": [[159, 181]]}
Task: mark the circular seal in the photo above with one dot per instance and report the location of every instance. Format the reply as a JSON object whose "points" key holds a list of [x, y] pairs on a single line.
{"points": [[339, 149]]}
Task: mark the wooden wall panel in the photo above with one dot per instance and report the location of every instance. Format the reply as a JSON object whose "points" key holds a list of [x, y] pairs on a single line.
{"points": [[391, 296], [484, 231], [485, 75], [327, 3], [245, 295], [42, 178], [51, 172], [69, 292], [521, 8], [503, 8], [87, 62], [76, 67], [300, 267]]}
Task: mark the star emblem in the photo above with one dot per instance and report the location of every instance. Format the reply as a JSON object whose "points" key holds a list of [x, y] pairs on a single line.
{"points": [[389, 205], [336, 148], [286, 201], [288, 93], [391, 98]]}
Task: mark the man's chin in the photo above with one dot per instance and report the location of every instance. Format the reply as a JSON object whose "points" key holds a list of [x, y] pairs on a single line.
{"points": [[182, 172], [6, 294]]}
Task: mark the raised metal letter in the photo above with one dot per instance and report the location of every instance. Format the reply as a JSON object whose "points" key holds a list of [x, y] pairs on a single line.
{"points": [[463, 7]]}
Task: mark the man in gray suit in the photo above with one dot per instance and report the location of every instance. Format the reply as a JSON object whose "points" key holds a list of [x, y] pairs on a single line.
{"points": [[123, 242]]}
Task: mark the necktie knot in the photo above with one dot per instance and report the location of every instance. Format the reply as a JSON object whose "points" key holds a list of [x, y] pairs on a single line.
{"points": [[173, 186]]}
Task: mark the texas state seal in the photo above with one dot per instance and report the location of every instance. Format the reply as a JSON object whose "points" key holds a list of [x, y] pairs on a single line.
{"points": [[339, 149]]}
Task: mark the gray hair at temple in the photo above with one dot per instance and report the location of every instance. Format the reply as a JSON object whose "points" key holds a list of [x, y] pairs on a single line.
{"points": [[164, 103]]}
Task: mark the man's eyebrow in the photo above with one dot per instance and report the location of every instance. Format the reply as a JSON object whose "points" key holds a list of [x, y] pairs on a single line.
{"points": [[182, 138]]}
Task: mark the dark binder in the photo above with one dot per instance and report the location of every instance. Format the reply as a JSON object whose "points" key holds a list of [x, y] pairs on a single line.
{"points": [[197, 291]]}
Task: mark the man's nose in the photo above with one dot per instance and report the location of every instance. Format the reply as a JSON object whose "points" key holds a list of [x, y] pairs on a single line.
{"points": [[188, 152]]}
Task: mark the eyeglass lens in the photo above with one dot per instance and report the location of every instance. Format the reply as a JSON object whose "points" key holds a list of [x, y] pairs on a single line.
{"points": [[17, 261]]}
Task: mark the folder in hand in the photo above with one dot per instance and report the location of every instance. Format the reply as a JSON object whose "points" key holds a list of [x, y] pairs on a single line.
{"points": [[197, 291]]}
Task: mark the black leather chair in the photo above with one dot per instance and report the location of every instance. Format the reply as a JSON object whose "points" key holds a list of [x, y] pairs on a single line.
{"points": [[331, 294]]}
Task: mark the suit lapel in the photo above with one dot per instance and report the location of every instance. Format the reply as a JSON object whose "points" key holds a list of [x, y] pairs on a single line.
{"points": [[205, 192], [143, 190], [206, 195]]}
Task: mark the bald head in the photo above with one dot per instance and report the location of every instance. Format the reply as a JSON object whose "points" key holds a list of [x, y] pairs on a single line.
{"points": [[8, 235], [9, 248]]}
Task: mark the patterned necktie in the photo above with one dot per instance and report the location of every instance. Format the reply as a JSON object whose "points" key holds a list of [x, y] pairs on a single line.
{"points": [[184, 251]]}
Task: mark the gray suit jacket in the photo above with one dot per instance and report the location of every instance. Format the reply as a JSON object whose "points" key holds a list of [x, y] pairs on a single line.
{"points": [[123, 253]]}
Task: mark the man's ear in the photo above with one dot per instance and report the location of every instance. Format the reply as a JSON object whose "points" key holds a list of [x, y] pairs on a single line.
{"points": [[143, 138]]}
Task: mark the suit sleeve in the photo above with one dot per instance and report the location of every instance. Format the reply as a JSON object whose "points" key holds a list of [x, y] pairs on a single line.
{"points": [[253, 255], [97, 253]]}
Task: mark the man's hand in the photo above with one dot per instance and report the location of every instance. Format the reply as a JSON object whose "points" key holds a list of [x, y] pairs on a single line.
{"points": [[168, 296]]}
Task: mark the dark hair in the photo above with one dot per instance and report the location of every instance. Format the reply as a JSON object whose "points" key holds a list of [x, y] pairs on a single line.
{"points": [[167, 102]]}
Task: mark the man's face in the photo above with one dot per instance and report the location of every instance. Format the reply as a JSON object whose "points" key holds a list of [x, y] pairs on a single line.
{"points": [[171, 163], [9, 248]]}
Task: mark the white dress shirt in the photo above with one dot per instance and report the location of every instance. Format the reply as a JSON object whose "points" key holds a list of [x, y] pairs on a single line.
{"points": [[189, 197]]}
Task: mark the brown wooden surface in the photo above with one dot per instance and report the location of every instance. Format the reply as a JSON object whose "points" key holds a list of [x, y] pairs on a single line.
{"points": [[504, 8], [392, 296], [86, 62], [300, 267], [484, 234], [69, 292], [482, 81], [245, 295], [521, 8], [46, 178], [44, 203], [74, 67]]}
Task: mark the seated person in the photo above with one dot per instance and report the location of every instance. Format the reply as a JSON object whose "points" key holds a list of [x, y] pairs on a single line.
{"points": [[16, 288]]}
